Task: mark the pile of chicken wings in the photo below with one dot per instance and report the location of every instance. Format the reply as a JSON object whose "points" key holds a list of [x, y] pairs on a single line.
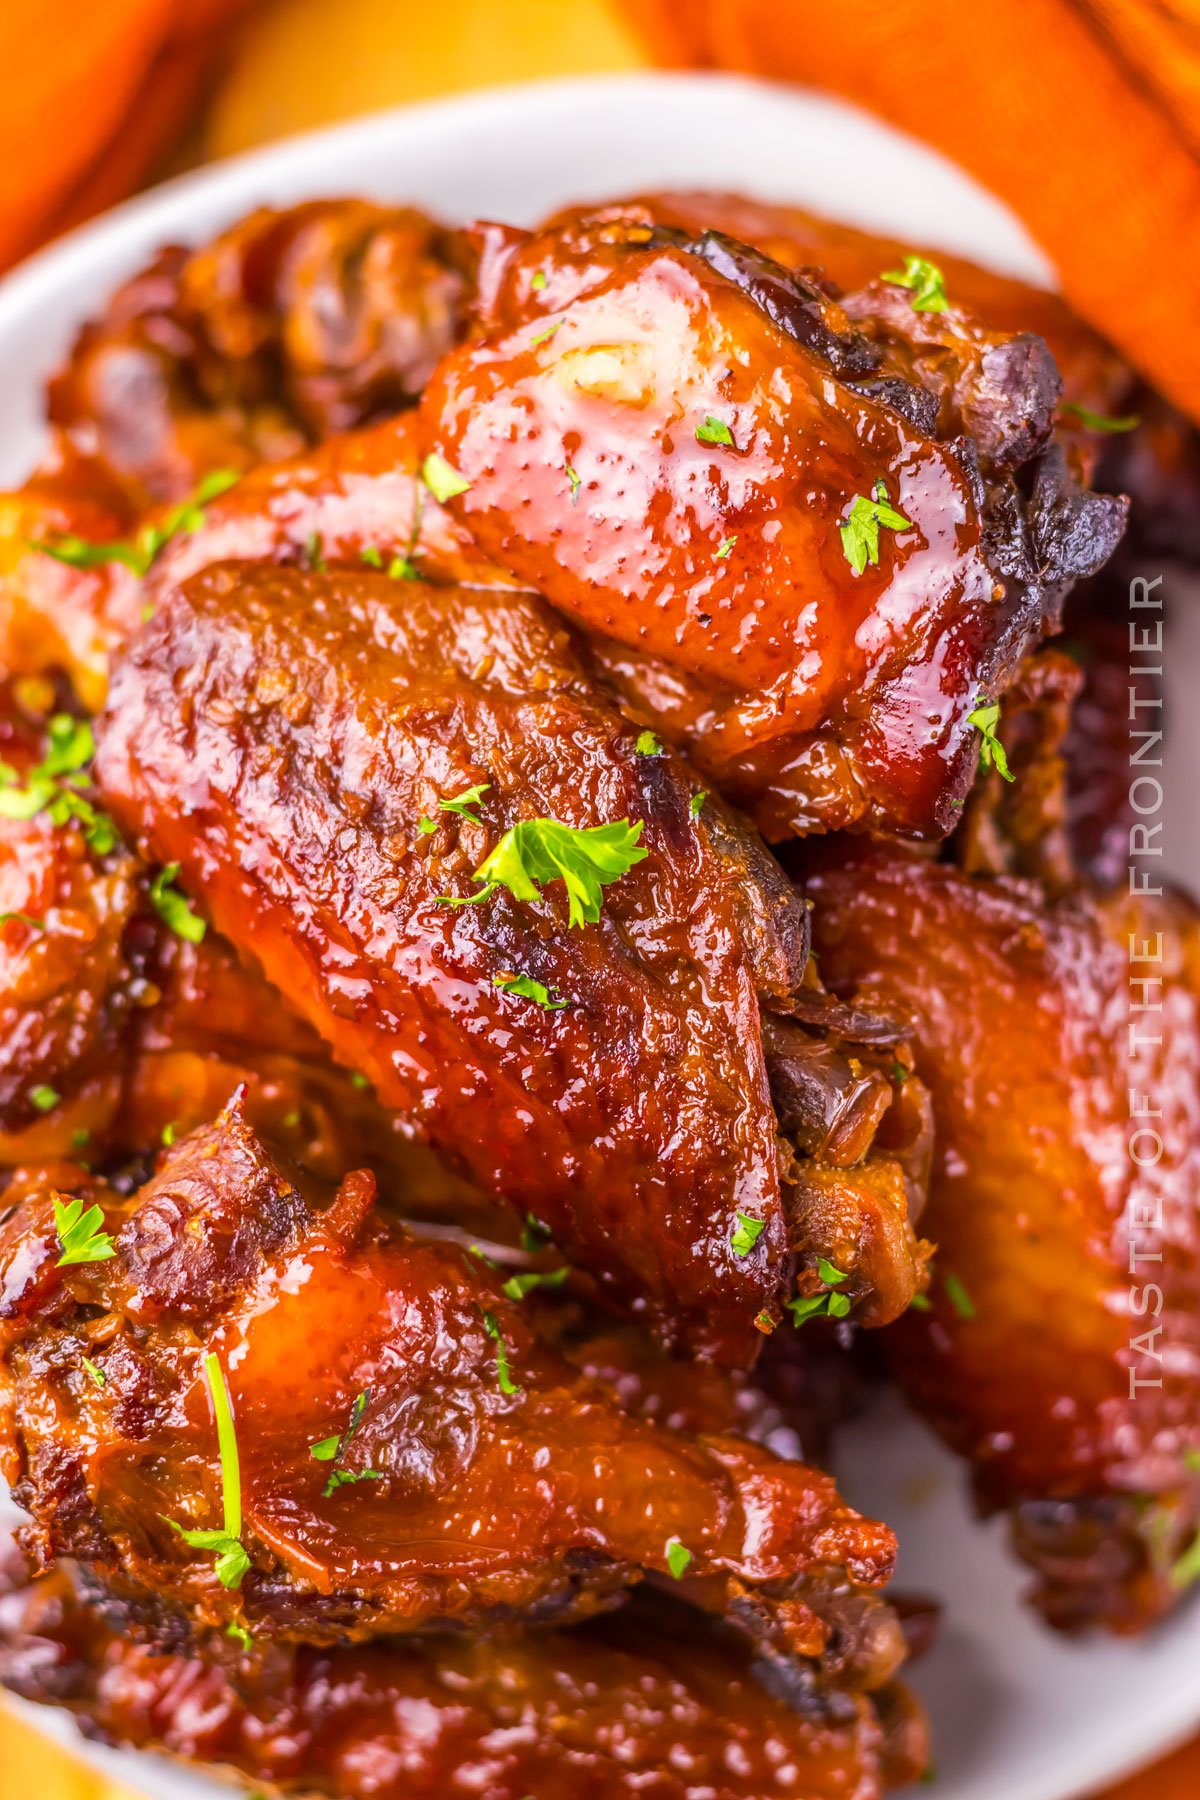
{"points": [[561, 912]]}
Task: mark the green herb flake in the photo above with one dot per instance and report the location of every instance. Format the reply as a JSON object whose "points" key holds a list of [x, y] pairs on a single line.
{"points": [[992, 755], [648, 744], [81, 1234], [861, 526], [1099, 421], [314, 553], [94, 1371], [679, 1558], [714, 431], [586, 859], [528, 989], [958, 1297], [232, 1560], [80, 1138], [358, 1080], [534, 1235], [346, 1477], [443, 482], [575, 481], [241, 1636], [900, 1071], [920, 1303], [25, 919], [829, 1272], [696, 804], [174, 908], [926, 281], [465, 802], [539, 280], [44, 1098], [138, 554], [517, 1286], [326, 1450], [373, 557], [746, 1234], [1191, 1458], [725, 546], [1186, 1568], [169, 1134], [426, 825], [503, 1374], [542, 337]]}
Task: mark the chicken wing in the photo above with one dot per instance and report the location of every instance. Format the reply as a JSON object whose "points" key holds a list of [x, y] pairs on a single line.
{"points": [[1061, 1354], [402, 1451], [704, 458], [642, 1706], [603, 1067]]}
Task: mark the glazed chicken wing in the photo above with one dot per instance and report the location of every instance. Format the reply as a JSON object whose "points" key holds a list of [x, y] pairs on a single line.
{"points": [[1061, 1355], [402, 1452], [642, 1706], [330, 758], [701, 456]]}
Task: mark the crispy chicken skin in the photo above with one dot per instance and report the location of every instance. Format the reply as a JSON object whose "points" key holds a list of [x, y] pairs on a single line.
{"points": [[1070, 1373], [482, 1479], [264, 715], [644, 1706], [665, 435]]}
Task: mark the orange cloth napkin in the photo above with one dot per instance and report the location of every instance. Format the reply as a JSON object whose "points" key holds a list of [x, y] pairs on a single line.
{"points": [[1083, 114], [93, 94]]}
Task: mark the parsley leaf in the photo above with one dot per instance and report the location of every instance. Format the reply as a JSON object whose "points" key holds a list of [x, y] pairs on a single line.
{"points": [[332, 1449], [44, 1098], [725, 546], [576, 482], [529, 989], [81, 1234], [541, 337], [713, 431], [860, 528], [926, 280], [1099, 421], [507, 1384], [538, 281], [463, 803], [345, 1477], [679, 1558], [25, 918], [53, 785], [517, 1286], [138, 554], [95, 1371], [648, 744], [827, 1305], [746, 1234], [696, 804], [534, 1235], [174, 908], [585, 858], [829, 1272], [442, 481], [232, 1562], [991, 751], [326, 1450], [242, 1637], [426, 825]]}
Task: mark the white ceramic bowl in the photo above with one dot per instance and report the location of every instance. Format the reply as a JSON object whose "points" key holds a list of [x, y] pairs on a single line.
{"points": [[1018, 1713]]}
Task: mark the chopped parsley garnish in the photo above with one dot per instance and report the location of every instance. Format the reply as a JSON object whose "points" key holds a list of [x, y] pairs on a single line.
{"points": [[53, 785], [539, 280], [696, 804], [517, 1286], [992, 755], [542, 336], [648, 744], [464, 802], [400, 568], [138, 554], [1099, 421], [860, 528], [94, 1371], [442, 481], [426, 825], [585, 858], [826, 1305], [679, 1558], [746, 1234], [1186, 1568], [332, 1449], [80, 1138], [958, 1297], [713, 431], [174, 908], [900, 1072], [359, 1080], [575, 481], [44, 1098], [503, 1375], [725, 546], [168, 1134], [35, 924], [232, 1561], [240, 1635], [81, 1234], [529, 989], [534, 1235], [1191, 1459], [764, 1322], [314, 552], [926, 281], [920, 1303]]}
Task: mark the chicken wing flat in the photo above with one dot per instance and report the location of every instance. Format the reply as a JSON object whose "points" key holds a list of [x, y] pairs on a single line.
{"points": [[701, 456], [399, 1450], [624, 1708], [606, 1069], [1061, 1351]]}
